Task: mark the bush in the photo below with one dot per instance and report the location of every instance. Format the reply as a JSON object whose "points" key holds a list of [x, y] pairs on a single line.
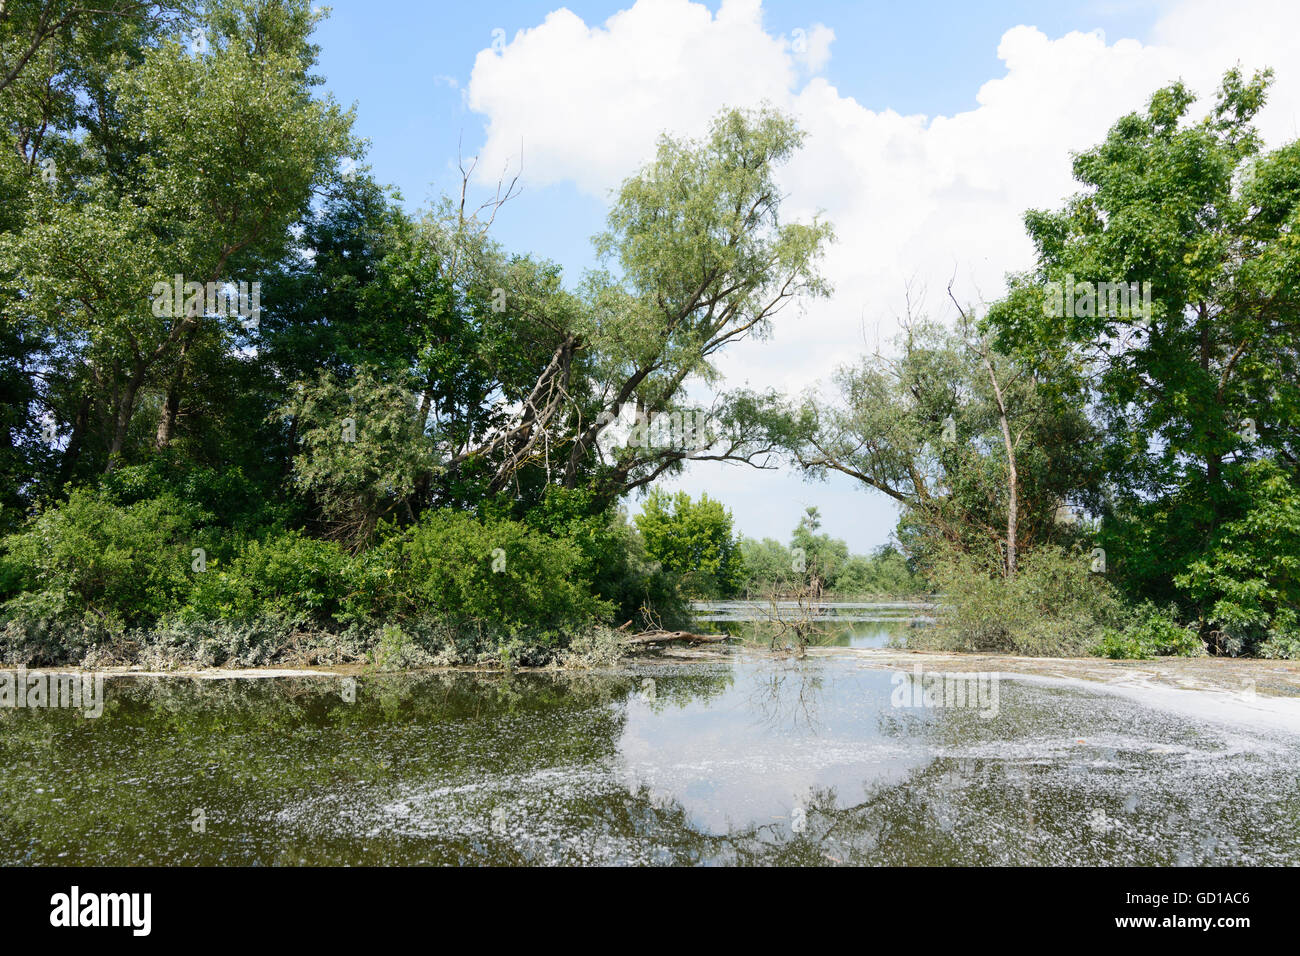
{"points": [[289, 575], [1054, 606], [494, 572], [91, 559], [1152, 633], [615, 560], [1281, 645]]}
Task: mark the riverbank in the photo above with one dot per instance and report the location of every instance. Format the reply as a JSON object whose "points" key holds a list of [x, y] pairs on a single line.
{"points": [[1234, 675], [1240, 676]]}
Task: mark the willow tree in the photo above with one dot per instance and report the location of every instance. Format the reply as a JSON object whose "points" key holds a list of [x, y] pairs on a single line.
{"points": [[981, 451], [696, 257], [515, 383]]}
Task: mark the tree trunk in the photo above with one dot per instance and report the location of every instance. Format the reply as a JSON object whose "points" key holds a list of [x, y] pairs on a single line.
{"points": [[72, 453], [171, 409], [1012, 506], [170, 412], [125, 409]]}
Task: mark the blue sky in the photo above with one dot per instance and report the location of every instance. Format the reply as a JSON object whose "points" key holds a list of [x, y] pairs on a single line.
{"points": [[933, 126], [392, 58]]}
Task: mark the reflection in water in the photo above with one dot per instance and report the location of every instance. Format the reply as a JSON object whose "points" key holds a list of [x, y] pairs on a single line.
{"points": [[834, 623], [746, 759]]}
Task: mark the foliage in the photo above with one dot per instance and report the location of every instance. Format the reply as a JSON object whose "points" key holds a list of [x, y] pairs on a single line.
{"points": [[1248, 579], [1152, 633], [768, 565], [362, 452], [1209, 382], [492, 572], [884, 572], [772, 568], [299, 579], [1053, 607], [823, 556], [91, 559], [692, 540], [615, 558]]}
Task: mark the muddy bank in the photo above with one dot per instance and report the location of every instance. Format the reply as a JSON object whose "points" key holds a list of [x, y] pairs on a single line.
{"points": [[1229, 674], [1249, 691]]}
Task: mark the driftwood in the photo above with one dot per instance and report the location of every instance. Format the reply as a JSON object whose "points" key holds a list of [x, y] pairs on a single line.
{"points": [[664, 637]]}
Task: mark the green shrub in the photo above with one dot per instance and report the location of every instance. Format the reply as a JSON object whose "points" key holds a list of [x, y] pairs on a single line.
{"points": [[1053, 607], [301, 579], [615, 560], [91, 559], [1152, 633], [493, 572], [1281, 645]]}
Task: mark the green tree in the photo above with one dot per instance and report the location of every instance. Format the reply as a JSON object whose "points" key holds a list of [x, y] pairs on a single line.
{"points": [[694, 541], [823, 556], [128, 207], [1190, 395], [925, 426]]}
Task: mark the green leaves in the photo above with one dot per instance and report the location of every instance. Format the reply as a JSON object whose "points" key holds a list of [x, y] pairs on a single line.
{"points": [[362, 450], [692, 540], [1186, 404]]}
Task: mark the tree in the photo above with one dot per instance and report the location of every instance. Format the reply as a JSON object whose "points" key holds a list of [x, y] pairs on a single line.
{"points": [[820, 556], [57, 123], [692, 540], [703, 260], [362, 452], [130, 208], [1191, 393], [981, 450], [523, 383]]}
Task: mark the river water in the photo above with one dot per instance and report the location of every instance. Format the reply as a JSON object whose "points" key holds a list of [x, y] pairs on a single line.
{"points": [[743, 757]]}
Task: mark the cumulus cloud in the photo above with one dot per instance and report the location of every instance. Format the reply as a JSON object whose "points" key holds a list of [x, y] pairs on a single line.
{"points": [[911, 197]]}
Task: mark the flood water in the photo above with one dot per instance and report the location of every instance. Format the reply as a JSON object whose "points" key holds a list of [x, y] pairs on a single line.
{"points": [[835, 623], [748, 758]]}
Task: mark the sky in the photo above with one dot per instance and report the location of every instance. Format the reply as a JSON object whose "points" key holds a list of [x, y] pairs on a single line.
{"points": [[932, 127]]}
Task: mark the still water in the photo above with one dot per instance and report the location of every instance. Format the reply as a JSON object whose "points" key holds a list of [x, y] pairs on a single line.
{"points": [[835, 623], [746, 758]]}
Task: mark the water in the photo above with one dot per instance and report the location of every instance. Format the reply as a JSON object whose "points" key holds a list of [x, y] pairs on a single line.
{"points": [[838, 623], [743, 759], [837, 611]]}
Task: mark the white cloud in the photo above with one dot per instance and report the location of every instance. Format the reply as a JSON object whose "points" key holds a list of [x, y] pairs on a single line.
{"points": [[811, 47], [910, 196], [589, 102]]}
